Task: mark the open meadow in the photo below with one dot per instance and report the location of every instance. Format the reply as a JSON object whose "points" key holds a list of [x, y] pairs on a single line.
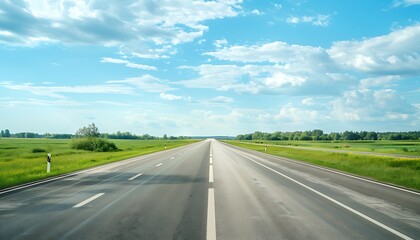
{"points": [[24, 160], [395, 170]]}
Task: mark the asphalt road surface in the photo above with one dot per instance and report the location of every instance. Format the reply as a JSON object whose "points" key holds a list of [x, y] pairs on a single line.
{"points": [[209, 190]]}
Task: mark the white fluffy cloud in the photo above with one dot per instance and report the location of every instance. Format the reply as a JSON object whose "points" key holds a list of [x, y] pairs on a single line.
{"points": [[283, 68], [266, 79], [318, 20], [170, 97], [147, 83], [109, 22], [394, 53], [277, 68], [381, 81], [220, 43], [58, 91], [405, 3], [256, 12], [222, 99], [296, 115], [308, 101], [219, 76], [127, 63], [279, 79], [372, 105], [274, 52]]}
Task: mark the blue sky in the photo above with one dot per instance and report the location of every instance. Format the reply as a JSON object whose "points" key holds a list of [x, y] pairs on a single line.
{"points": [[209, 67]]}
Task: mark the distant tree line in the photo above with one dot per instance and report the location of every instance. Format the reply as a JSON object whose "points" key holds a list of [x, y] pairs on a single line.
{"points": [[86, 131], [319, 135], [127, 135]]}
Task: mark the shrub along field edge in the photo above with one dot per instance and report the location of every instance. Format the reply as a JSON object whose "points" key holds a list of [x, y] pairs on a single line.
{"points": [[24, 160], [399, 171]]}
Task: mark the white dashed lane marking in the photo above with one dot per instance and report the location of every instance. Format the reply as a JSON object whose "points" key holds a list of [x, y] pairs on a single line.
{"points": [[138, 175], [88, 200]]}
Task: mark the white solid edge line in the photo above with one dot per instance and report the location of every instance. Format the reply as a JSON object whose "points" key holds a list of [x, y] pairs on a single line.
{"points": [[211, 174], [364, 179], [160, 164], [349, 175], [211, 216], [88, 200], [401, 235], [134, 177], [37, 183]]}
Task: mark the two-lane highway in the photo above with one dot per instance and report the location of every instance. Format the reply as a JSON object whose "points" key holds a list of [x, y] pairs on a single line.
{"points": [[209, 190]]}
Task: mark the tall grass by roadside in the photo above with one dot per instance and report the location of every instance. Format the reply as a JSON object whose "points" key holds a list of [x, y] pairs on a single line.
{"points": [[400, 171], [24, 160]]}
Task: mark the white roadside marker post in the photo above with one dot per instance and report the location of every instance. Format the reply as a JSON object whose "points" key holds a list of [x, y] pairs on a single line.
{"points": [[48, 162]]}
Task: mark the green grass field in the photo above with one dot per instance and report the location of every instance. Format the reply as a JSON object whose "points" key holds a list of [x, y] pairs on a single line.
{"points": [[24, 160], [400, 171], [383, 146]]}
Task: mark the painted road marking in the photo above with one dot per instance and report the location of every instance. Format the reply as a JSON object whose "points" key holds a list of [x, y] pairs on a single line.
{"points": [[352, 176], [37, 183], [211, 208], [172, 158], [211, 174], [159, 164], [401, 235], [138, 175], [88, 200], [211, 216]]}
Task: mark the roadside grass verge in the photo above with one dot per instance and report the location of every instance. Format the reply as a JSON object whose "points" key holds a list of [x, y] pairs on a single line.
{"points": [[24, 160], [381, 146], [399, 171]]}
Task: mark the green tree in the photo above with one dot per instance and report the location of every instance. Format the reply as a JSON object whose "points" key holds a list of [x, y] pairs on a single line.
{"points": [[316, 134], [284, 136], [30, 135], [266, 136], [291, 136], [371, 136], [304, 137], [336, 136], [2, 133], [348, 135], [90, 131], [257, 136], [6, 133], [165, 137]]}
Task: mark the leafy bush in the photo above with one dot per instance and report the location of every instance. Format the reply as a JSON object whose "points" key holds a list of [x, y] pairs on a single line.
{"points": [[93, 144], [38, 150]]}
